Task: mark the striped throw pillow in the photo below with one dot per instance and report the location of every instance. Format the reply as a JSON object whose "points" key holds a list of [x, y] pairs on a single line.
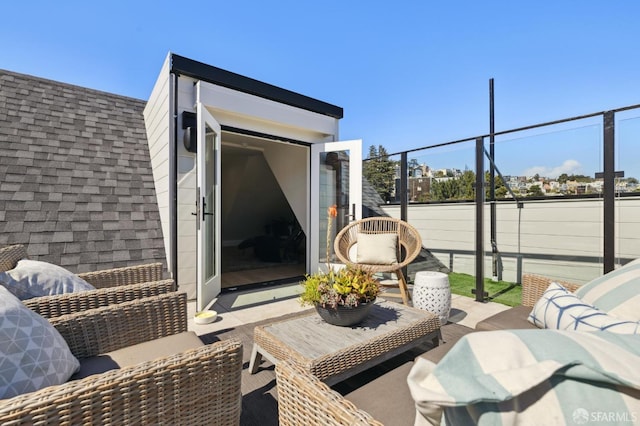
{"points": [[560, 309], [617, 293], [532, 377]]}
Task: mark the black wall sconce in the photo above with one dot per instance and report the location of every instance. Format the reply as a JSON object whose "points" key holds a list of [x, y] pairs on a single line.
{"points": [[190, 138]]}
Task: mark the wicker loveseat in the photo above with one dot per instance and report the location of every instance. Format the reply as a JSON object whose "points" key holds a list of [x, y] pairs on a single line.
{"points": [[113, 286], [140, 366]]}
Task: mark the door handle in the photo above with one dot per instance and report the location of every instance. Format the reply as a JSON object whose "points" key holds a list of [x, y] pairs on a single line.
{"points": [[204, 205], [352, 216]]}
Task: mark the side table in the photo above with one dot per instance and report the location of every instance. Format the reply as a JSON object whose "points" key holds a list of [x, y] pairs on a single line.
{"points": [[431, 292]]}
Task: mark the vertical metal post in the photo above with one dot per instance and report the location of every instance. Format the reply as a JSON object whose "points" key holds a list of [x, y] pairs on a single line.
{"points": [[404, 186], [496, 272], [609, 191], [480, 294], [404, 191]]}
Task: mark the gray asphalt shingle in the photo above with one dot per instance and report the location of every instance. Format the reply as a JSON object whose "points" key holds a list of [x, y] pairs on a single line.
{"points": [[76, 185]]}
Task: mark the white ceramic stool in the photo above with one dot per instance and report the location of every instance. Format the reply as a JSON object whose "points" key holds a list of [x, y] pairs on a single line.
{"points": [[431, 292]]}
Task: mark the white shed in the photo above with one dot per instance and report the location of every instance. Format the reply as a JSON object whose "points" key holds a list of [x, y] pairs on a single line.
{"points": [[244, 173]]}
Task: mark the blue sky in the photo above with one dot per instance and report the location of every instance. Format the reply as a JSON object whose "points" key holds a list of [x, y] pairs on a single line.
{"points": [[408, 73]]}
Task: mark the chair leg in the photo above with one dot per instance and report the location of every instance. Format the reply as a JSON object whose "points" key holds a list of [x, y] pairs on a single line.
{"points": [[404, 290]]}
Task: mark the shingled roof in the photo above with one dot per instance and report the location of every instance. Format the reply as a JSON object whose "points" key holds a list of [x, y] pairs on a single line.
{"points": [[76, 185]]}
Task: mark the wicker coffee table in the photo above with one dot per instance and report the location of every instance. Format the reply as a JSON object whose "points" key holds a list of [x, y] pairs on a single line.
{"points": [[334, 353]]}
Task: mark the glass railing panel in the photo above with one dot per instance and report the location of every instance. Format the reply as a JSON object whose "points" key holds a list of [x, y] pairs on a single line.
{"points": [[441, 206], [380, 184], [555, 229], [627, 210]]}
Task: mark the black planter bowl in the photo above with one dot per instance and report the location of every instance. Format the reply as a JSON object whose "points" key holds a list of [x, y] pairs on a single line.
{"points": [[344, 316]]}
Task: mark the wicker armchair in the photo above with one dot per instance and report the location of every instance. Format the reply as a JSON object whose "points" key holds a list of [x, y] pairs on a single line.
{"points": [[533, 286], [409, 246], [197, 386], [113, 286], [304, 400]]}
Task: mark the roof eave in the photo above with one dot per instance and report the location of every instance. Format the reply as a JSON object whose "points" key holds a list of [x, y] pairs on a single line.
{"points": [[201, 71]]}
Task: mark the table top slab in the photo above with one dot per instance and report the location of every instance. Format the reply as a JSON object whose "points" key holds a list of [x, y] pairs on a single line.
{"points": [[313, 338]]}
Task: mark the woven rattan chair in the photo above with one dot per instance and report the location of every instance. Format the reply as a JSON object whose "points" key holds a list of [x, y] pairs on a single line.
{"points": [[409, 245], [305, 400], [112, 286], [533, 286], [198, 386]]}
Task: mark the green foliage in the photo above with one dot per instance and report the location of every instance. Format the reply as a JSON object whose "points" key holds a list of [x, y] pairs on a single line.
{"points": [[457, 188], [563, 178], [501, 188], [349, 286], [380, 171], [535, 191], [463, 187]]}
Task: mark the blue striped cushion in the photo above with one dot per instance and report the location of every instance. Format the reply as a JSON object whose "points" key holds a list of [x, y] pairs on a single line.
{"points": [[560, 309], [617, 293], [537, 377]]}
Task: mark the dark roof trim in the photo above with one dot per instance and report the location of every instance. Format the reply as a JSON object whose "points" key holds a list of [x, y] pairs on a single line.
{"points": [[200, 71]]}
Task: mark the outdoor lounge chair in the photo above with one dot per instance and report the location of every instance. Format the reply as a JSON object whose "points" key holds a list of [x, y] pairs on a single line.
{"points": [[112, 286], [389, 255], [305, 400], [170, 377]]}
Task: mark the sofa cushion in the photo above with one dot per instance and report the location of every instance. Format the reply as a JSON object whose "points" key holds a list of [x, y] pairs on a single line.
{"points": [[377, 249], [387, 398], [33, 278], [560, 309], [617, 292], [33, 355], [537, 377], [512, 318], [137, 354]]}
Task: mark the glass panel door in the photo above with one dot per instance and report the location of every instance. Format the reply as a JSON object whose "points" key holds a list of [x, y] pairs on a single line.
{"points": [[336, 183], [208, 206]]}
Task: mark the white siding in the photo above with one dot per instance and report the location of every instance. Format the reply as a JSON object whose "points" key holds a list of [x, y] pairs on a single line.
{"points": [[187, 183], [158, 126]]}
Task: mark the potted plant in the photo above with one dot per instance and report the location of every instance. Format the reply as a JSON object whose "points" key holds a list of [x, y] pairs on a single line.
{"points": [[343, 296]]}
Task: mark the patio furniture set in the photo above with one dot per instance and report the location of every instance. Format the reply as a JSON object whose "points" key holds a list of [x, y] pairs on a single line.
{"points": [[577, 368], [135, 361]]}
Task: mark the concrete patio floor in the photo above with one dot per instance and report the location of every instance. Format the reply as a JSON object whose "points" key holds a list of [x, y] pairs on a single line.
{"points": [[244, 307]]}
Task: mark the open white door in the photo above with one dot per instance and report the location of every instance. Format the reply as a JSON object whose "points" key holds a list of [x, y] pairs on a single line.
{"points": [[336, 179], [208, 206]]}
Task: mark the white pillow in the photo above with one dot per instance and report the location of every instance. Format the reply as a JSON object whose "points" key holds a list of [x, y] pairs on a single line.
{"points": [[33, 278], [560, 309], [377, 249], [33, 355]]}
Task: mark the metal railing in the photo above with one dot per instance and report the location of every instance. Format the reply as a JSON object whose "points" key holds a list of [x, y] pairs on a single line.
{"points": [[604, 240]]}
